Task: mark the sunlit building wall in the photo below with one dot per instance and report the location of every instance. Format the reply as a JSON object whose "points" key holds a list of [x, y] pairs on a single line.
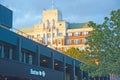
{"points": [[56, 33]]}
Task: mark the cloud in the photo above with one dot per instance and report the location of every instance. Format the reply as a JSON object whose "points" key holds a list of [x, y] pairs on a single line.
{"points": [[27, 20], [28, 12]]}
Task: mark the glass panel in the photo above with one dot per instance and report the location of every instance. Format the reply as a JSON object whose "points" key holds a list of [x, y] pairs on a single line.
{"points": [[69, 41], [30, 59], [0, 50], [69, 34], [6, 52], [76, 41]]}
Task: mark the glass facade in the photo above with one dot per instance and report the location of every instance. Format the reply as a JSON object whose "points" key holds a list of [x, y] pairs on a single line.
{"points": [[6, 52], [27, 57]]}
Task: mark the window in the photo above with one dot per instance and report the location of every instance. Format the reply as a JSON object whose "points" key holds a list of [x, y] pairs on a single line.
{"points": [[48, 35], [49, 43], [69, 42], [43, 26], [43, 40], [59, 41], [84, 41], [53, 23], [27, 57], [23, 57], [53, 35], [30, 59], [69, 34], [84, 33], [77, 34], [30, 36], [60, 34], [59, 49], [76, 41], [43, 35], [38, 36], [48, 24], [60, 24]]}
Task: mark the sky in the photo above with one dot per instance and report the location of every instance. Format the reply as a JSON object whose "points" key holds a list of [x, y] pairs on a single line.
{"points": [[26, 13]]}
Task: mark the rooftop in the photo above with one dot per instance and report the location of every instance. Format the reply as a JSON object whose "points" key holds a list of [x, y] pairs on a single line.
{"points": [[76, 25], [27, 29]]}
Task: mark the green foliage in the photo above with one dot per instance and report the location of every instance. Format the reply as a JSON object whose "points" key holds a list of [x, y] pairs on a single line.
{"points": [[104, 47], [75, 53]]}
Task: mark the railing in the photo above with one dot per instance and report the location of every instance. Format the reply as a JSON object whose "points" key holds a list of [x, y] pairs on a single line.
{"points": [[21, 33]]}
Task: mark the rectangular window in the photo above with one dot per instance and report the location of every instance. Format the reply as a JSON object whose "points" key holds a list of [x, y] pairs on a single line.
{"points": [[77, 34], [30, 59], [76, 41], [43, 35], [30, 36], [60, 34], [84, 41], [38, 36], [59, 41], [27, 57], [69, 34], [53, 35], [84, 33], [43, 26], [23, 57], [68, 42], [59, 49], [49, 35]]}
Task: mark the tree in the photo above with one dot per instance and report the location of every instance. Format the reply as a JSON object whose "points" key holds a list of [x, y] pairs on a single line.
{"points": [[104, 47], [75, 53]]}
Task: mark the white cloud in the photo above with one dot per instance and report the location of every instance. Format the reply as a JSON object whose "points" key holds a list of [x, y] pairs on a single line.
{"points": [[27, 20]]}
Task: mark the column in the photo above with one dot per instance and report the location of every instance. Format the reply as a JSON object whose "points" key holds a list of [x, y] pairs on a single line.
{"points": [[64, 68], [19, 50], [79, 74], [52, 60], [37, 56], [72, 71], [2, 52]]}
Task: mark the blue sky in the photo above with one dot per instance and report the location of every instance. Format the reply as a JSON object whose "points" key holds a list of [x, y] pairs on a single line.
{"points": [[26, 13]]}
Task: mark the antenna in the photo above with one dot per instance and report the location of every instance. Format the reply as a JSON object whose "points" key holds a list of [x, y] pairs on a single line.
{"points": [[52, 4]]}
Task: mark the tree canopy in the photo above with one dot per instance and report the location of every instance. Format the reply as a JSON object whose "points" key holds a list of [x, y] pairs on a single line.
{"points": [[104, 47], [76, 53]]}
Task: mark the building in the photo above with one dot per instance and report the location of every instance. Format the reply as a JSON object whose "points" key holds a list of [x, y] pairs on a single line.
{"points": [[5, 17], [24, 59], [56, 33]]}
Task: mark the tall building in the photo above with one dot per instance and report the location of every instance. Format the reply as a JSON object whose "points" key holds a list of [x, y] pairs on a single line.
{"points": [[56, 33]]}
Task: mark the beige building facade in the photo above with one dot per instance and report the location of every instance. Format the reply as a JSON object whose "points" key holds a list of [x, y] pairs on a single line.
{"points": [[56, 33]]}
